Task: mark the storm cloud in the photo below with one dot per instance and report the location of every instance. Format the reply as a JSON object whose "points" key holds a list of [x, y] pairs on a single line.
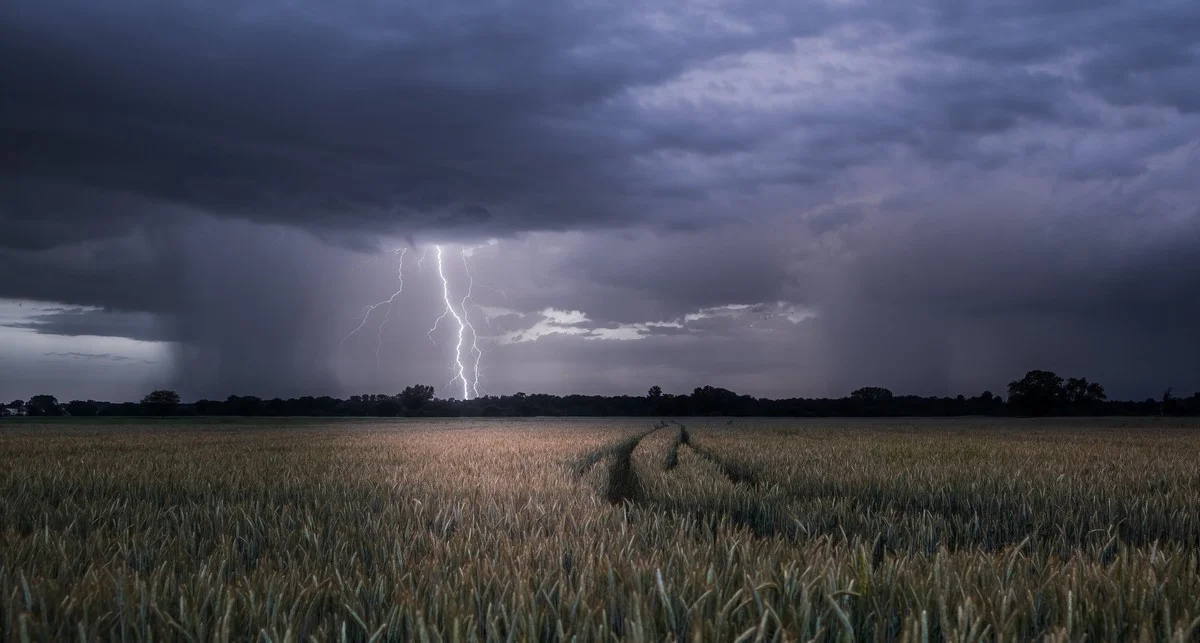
{"points": [[784, 199]]}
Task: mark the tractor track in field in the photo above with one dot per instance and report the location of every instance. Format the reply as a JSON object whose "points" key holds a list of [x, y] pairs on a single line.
{"points": [[623, 484], [735, 472], [584, 464], [622, 481]]}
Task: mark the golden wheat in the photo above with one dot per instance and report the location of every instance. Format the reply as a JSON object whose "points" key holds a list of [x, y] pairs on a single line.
{"points": [[512, 530]]}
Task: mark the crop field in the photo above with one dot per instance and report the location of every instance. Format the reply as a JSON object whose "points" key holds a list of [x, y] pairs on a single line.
{"points": [[600, 530]]}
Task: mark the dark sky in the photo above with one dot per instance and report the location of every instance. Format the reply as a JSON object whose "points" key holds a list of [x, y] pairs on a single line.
{"points": [[780, 198]]}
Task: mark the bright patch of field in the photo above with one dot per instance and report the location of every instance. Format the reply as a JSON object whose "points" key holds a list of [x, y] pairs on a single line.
{"points": [[556, 530]]}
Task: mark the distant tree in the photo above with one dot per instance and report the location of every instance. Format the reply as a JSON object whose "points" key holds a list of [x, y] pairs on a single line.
{"points": [[209, 407], [276, 407], [871, 394], [655, 403], [161, 402], [714, 400], [1082, 394], [17, 407], [43, 405], [80, 408], [122, 409], [415, 397], [326, 405], [4, 411], [1038, 393], [871, 400], [248, 405], [388, 407]]}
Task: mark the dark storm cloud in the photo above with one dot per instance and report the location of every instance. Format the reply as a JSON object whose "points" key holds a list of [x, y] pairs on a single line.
{"points": [[1135, 53], [74, 322], [487, 118], [484, 116], [117, 272], [951, 302], [959, 190], [40, 215], [103, 357]]}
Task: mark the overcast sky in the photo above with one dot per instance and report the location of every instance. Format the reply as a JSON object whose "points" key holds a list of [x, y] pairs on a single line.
{"points": [[780, 198]]}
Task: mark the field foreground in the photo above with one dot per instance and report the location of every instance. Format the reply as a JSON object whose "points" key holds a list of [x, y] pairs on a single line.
{"points": [[555, 530]]}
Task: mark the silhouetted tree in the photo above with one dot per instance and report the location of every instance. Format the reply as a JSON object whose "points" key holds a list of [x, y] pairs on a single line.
{"points": [[654, 400], [275, 407], [1038, 393], [80, 408], [1083, 396], [1081, 391], [713, 400], [415, 397], [43, 405], [871, 394], [161, 402], [121, 409], [244, 405], [870, 400]]}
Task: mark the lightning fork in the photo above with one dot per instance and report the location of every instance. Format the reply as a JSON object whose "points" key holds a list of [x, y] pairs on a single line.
{"points": [[462, 371], [387, 314], [467, 319]]}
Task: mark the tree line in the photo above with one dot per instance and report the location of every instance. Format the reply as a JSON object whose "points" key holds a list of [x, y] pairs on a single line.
{"points": [[1038, 393]]}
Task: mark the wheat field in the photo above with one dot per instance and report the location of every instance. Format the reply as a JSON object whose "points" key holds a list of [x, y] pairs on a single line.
{"points": [[590, 530]]}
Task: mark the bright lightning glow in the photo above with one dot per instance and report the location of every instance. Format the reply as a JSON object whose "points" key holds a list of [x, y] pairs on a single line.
{"points": [[470, 385], [467, 320], [462, 371], [387, 313]]}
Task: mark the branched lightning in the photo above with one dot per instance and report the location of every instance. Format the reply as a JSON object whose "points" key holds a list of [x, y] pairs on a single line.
{"points": [[470, 384], [462, 371], [467, 319], [387, 312]]}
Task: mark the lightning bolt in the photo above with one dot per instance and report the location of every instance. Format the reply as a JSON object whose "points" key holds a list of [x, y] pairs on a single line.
{"points": [[470, 385], [449, 310], [387, 312], [467, 319]]}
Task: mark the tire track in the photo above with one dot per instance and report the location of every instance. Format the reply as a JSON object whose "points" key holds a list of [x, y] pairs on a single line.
{"points": [[672, 459], [735, 472], [623, 483]]}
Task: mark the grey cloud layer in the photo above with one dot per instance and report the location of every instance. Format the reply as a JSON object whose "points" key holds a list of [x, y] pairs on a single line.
{"points": [[478, 116], [953, 186], [489, 117]]}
